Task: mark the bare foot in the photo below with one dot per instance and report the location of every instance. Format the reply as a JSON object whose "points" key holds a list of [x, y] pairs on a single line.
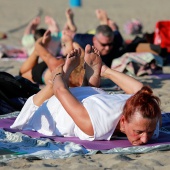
{"points": [[41, 48], [102, 16], [52, 25], [32, 26], [51, 45], [112, 25], [72, 61], [70, 20], [46, 38], [35, 22], [69, 14], [93, 65]]}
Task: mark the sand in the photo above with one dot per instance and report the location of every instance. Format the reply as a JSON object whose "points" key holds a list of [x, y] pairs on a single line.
{"points": [[15, 15]]}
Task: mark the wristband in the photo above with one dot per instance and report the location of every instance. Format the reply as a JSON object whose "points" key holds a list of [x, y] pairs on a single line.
{"points": [[55, 76]]}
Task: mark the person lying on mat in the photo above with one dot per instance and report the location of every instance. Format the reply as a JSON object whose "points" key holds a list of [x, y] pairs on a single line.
{"points": [[38, 72], [88, 112], [33, 68]]}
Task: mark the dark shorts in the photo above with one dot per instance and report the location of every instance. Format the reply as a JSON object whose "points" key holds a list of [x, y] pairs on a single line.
{"points": [[37, 72]]}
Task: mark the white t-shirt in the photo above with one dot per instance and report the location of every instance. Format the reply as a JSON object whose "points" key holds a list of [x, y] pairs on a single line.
{"points": [[51, 118]]}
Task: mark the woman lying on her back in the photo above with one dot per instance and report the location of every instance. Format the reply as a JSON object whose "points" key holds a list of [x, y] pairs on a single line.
{"points": [[88, 112]]}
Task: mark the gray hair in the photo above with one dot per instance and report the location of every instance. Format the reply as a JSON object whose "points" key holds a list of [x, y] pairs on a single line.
{"points": [[105, 30]]}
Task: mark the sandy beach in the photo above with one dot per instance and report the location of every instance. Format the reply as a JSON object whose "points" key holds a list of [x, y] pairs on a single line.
{"points": [[15, 15]]}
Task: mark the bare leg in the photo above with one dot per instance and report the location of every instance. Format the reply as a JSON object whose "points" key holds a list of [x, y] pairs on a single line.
{"points": [[70, 20], [102, 16], [112, 25], [47, 57], [51, 61], [32, 60], [72, 61], [52, 25], [30, 29], [105, 20], [68, 33], [47, 91], [93, 65], [26, 67]]}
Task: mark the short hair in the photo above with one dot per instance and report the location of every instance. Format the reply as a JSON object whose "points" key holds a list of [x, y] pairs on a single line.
{"points": [[39, 33], [143, 102], [105, 30]]}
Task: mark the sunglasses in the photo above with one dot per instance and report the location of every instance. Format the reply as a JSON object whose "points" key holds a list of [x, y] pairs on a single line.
{"points": [[107, 44]]}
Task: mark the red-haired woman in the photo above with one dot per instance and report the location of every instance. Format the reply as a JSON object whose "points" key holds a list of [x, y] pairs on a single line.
{"points": [[88, 112]]}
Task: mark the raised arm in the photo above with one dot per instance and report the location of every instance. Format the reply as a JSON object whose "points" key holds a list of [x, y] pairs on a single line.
{"points": [[73, 107], [129, 84], [92, 74]]}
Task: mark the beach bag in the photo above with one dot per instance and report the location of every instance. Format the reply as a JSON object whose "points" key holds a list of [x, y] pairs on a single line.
{"points": [[133, 27], [14, 91], [162, 34]]}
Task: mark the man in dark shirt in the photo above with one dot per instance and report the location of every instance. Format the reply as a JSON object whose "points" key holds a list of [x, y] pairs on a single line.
{"points": [[108, 42]]}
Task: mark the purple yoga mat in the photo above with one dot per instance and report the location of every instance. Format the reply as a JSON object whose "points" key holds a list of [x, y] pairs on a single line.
{"points": [[95, 145], [161, 76]]}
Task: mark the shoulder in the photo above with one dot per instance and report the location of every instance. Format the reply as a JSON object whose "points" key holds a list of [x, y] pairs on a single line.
{"points": [[89, 36], [105, 102]]}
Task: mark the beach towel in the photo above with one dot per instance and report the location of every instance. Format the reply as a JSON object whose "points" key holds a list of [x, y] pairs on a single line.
{"points": [[33, 144], [138, 64], [12, 52]]}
